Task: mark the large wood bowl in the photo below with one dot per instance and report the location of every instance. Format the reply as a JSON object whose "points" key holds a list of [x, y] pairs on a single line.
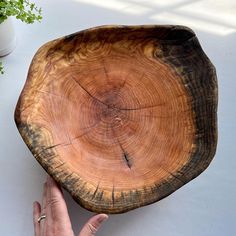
{"points": [[121, 116]]}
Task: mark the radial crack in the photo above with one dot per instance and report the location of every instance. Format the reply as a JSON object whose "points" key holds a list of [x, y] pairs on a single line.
{"points": [[126, 157], [125, 154], [95, 192], [87, 131], [113, 195], [105, 71], [114, 107], [173, 175], [89, 92], [68, 176], [55, 95], [139, 108], [47, 148], [60, 165], [53, 146], [25, 107]]}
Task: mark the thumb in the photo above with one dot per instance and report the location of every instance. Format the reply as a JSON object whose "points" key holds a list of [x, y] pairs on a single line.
{"points": [[93, 224]]}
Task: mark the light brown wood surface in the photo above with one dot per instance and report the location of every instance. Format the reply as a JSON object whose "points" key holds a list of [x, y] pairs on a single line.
{"points": [[121, 116]]}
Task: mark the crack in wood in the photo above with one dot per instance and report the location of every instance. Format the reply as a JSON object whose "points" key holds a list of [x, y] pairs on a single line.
{"points": [[55, 95], [114, 107], [128, 162], [95, 192], [87, 131], [68, 176], [100, 196], [106, 73], [36, 155], [88, 92], [53, 146], [25, 107], [113, 195], [125, 154], [60, 165], [52, 157], [140, 108], [173, 175]]}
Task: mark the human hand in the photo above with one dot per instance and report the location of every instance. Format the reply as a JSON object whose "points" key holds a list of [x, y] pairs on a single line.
{"points": [[57, 221]]}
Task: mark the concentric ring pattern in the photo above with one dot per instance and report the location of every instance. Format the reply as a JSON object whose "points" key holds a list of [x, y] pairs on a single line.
{"points": [[121, 116]]}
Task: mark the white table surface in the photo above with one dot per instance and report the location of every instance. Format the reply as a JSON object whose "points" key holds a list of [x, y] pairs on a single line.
{"points": [[204, 207]]}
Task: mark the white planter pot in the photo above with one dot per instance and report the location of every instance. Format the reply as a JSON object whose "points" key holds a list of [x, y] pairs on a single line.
{"points": [[7, 37]]}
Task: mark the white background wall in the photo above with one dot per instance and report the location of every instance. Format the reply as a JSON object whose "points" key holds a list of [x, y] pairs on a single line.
{"points": [[204, 207]]}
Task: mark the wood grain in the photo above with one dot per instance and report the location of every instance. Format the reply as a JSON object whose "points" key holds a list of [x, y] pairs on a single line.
{"points": [[121, 116]]}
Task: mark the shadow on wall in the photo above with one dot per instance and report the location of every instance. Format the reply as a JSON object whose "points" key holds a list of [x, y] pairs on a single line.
{"points": [[207, 16], [126, 221]]}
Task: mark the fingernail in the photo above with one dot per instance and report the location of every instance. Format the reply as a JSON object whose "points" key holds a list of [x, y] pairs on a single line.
{"points": [[35, 205], [102, 218]]}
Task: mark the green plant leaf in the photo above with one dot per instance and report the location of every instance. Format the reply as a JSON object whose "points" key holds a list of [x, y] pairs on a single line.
{"points": [[22, 9], [1, 68]]}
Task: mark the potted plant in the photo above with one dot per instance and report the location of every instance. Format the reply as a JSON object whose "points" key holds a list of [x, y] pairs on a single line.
{"points": [[23, 10]]}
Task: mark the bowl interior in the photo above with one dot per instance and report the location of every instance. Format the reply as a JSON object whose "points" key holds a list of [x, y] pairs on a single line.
{"points": [[117, 116]]}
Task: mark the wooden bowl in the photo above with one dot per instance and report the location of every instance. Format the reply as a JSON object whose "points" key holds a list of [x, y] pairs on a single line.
{"points": [[121, 116]]}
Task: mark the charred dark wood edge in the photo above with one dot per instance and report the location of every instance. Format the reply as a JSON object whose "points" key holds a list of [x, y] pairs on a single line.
{"points": [[175, 40], [201, 85]]}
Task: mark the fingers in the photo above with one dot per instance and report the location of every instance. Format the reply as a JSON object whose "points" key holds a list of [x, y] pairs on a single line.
{"points": [[57, 210], [54, 207], [56, 196], [36, 215], [49, 217], [57, 202], [44, 199], [93, 224], [43, 211]]}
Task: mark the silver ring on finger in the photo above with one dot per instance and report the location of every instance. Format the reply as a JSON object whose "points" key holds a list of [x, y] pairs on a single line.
{"points": [[42, 217]]}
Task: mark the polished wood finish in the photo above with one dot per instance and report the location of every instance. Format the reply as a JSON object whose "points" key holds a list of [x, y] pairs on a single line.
{"points": [[121, 116]]}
